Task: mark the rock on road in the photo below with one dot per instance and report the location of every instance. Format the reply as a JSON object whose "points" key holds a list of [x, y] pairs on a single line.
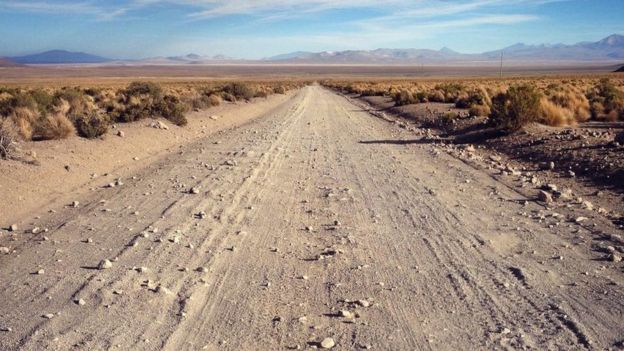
{"points": [[316, 225]]}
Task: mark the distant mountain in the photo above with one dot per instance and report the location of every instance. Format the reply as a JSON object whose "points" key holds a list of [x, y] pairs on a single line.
{"points": [[607, 49], [59, 57], [186, 59], [7, 63], [620, 70]]}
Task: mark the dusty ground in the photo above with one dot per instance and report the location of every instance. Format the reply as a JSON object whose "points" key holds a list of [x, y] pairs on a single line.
{"points": [[316, 221], [76, 164]]}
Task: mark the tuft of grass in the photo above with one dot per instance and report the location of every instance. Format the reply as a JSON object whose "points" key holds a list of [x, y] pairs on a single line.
{"points": [[555, 115], [519, 106], [55, 126]]}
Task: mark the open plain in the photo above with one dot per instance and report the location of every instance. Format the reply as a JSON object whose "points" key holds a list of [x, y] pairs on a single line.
{"points": [[313, 224]]}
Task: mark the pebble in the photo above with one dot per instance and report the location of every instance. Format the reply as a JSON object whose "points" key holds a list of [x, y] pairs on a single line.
{"points": [[194, 191], [363, 303], [13, 228], [105, 264], [328, 343], [80, 302], [48, 315], [615, 258], [41, 272], [345, 314], [75, 204]]}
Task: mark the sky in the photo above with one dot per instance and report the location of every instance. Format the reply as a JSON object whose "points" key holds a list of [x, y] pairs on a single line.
{"points": [[251, 29]]}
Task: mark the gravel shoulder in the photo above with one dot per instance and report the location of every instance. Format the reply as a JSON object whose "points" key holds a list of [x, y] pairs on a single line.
{"points": [[317, 225]]}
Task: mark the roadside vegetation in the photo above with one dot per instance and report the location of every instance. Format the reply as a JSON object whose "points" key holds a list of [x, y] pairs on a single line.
{"points": [[509, 104], [34, 114]]}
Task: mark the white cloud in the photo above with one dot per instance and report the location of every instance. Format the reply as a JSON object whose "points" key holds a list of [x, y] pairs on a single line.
{"points": [[60, 8]]}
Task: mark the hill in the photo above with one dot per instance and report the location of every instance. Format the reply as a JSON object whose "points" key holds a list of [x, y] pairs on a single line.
{"points": [[59, 57], [608, 49]]}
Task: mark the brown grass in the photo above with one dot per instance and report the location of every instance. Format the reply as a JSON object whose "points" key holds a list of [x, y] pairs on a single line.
{"points": [[8, 138]]}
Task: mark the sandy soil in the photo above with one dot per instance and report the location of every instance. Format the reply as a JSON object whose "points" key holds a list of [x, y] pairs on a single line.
{"points": [[64, 167], [316, 221]]}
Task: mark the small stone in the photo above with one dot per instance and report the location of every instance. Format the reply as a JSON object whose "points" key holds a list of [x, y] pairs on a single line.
{"points": [[120, 134], [194, 191], [4, 250], [80, 302], [544, 197], [36, 230], [48, 315], [41, 272], [328, 343], [614, 257], [6, 329], [75, 204], [13, 228], [363, 303], [105, 264], [345, 314]]}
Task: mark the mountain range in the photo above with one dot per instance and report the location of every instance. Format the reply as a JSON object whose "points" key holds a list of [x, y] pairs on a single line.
{"points": [[609, 49]]}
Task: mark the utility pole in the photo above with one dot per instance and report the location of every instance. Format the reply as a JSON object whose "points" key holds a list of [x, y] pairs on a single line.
{"points": [[501, 66]]}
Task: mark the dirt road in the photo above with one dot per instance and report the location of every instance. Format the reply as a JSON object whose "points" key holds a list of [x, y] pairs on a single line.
{"points": [[316, 221]]}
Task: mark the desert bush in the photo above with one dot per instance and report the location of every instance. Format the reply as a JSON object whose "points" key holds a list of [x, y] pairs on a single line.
{"points": [[607, 101], [25, 119], [144, 88], [215, 100], [8, 138], [279, 89], [54, 126], [516, 108], [436, 96], [16, 100], [404, 97], [555, 115], [239, 91], [172, 109], [479, 110], [92, 126]]}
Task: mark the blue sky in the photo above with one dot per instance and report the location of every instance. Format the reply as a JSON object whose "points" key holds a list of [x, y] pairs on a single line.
{"points": [[261, 28]]}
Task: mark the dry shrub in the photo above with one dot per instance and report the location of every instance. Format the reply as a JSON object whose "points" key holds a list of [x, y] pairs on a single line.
{"points": [[436, 96], [55, 125], [577, 103], [214, 100], [519, 106], [8, 138], [25, 120], [554, 115], [479, 110], [92, 126], [280, 89]]}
